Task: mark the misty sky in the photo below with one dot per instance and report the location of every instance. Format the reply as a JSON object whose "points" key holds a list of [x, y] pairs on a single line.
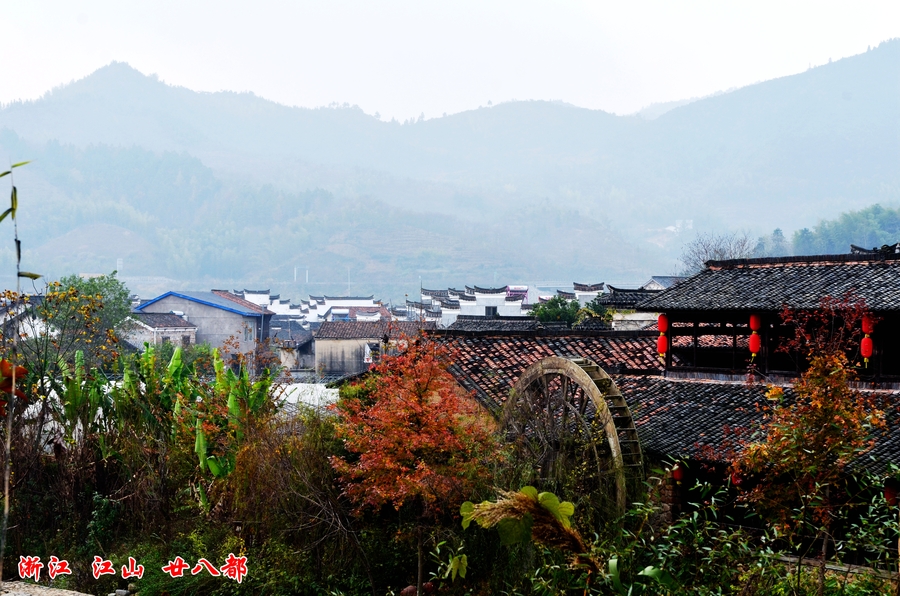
{"points": [[407, 57]]}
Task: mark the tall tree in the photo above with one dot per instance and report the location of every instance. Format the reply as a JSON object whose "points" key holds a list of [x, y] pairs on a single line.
{"points": [[557, 309], [416, 439], [798, 471], [715, 247], [111, 293]]}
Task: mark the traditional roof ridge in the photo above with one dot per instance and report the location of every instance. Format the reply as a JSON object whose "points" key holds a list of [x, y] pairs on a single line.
{"points": [[770, 284], [588, 287], [370, 297], [840, 259], [480, 290], [615, 290], [499, 317], [435, 293], [548, 330]]}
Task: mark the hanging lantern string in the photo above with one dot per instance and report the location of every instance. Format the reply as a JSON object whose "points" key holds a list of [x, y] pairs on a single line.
{"points": [[662, 343], [866, 346], [755, 339]]}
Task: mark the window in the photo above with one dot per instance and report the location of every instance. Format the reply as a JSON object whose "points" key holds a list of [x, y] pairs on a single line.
{"points": [[185, 340], [372, 352], [490, 311]]}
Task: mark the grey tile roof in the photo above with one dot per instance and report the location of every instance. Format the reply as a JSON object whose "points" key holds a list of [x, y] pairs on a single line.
{"points": [[287, 328], [475, 323], [798, 282], [163, 320], [622, 298], [369, 329], [679, 418]]}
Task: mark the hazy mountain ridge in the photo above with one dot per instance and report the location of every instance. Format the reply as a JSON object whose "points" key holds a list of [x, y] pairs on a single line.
{"points": [[160, 160], [168, 215]]}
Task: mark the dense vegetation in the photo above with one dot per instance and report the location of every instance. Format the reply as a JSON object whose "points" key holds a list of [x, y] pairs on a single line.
{"points": [[200, 460], [872, 227]]}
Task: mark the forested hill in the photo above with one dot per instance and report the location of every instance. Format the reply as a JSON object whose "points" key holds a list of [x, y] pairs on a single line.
{"points": [[782, 153]]}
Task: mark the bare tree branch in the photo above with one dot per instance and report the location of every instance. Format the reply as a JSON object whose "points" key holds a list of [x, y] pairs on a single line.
{"points": [[715, 247]]}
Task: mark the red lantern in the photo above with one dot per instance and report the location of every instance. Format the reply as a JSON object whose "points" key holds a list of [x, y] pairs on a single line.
{"points": [[868, 326], [755, 343], [890, 492], [662, 344], [865, 347], [755, 323], [677, 473], [663, 323]]}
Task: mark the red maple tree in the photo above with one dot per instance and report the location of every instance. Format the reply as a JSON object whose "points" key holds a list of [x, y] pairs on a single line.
{"points": [[415, 437]]}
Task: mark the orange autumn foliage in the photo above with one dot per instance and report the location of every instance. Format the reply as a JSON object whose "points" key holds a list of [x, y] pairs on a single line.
{"points": [[413, 435], [798, 471], [6, 384]]}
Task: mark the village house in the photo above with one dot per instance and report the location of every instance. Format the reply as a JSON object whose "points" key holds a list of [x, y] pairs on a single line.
{"points": [[349, 347], [684, 404], [293, 343], [219, 316], [444, 306], [319, 309], [713, 315]]}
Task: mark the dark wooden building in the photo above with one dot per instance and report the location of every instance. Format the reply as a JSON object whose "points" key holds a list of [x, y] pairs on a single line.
{"points": [[709, 313]]}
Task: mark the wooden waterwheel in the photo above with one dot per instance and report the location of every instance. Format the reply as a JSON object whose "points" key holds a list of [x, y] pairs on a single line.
{"points": [[568, 417]]}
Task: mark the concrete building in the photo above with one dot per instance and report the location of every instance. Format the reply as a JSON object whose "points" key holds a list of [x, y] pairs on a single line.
{"points": [[219, 316], [349, 347], [158, 328]]}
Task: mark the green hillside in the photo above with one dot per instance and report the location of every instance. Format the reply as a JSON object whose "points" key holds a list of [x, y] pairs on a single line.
{"points": [[221, 188], [166, 215]]}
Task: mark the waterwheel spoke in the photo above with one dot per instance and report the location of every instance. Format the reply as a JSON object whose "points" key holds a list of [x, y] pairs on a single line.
{"points": [[562, 418]]}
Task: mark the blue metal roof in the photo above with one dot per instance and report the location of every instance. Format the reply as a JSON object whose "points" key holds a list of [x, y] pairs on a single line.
{"points": [[207, 298]]}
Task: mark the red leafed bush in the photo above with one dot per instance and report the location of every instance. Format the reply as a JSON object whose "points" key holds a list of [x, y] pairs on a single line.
{"points": [[413, 434]]}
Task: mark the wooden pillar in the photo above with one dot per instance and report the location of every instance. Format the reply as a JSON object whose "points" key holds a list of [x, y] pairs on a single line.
{"points": [[695, 342], [734, 348]]}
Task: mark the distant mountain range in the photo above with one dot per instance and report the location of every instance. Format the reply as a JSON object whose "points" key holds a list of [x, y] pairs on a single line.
{"points": [[206, 188]]}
